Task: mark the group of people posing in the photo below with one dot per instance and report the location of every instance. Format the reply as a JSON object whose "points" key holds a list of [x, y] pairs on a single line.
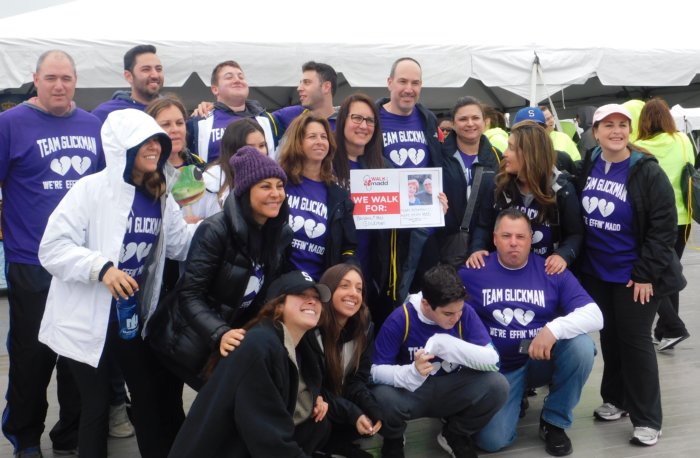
{"points": [[220, 251]]}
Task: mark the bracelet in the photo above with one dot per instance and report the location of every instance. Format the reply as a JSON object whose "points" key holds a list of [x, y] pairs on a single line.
{"points": [[104, 270]]}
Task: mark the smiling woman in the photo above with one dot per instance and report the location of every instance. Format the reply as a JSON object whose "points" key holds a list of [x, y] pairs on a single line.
{"points": [[271, 383], [234, 255], [320, 210], [105, 246]]}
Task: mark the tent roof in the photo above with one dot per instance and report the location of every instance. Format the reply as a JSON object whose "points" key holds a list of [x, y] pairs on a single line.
{"points": [[456, 43]]}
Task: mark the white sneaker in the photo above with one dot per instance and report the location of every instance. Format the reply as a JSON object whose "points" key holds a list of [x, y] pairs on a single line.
{"points": [[645, 436], [119, 424], [668, 343], [609, 412]]}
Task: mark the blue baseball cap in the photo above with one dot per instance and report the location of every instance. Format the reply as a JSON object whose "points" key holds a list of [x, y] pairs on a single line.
{"points": [[530, 114]]}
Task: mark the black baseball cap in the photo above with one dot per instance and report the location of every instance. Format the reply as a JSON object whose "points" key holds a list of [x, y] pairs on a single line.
{"points": [[296, 282]]}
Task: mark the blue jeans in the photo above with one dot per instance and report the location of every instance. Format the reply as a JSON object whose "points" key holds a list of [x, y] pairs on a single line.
{"points": [[565, 373]]}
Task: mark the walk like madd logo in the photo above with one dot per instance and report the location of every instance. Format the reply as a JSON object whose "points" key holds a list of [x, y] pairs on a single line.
{"points": [[372, 182]]}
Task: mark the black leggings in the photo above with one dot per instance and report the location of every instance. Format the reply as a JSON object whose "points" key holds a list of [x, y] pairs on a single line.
{"points": [[156, 397]]}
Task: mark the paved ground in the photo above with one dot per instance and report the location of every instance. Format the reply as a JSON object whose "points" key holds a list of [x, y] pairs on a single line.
{"points": [[680, 374]]}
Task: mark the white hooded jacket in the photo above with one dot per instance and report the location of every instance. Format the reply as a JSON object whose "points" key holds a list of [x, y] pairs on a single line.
{"points": [[86, 230]]}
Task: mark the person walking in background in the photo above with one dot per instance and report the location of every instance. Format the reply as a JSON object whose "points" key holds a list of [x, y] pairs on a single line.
{"points": [[658, 135]]}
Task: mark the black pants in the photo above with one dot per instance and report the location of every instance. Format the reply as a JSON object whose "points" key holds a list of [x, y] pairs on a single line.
{"points": [[630, 372], [156, 397], [669, 323], [31, 366], [311, 436]]}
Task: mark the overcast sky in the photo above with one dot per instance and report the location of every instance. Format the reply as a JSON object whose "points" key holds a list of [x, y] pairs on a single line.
{"points": [[12, 8]]}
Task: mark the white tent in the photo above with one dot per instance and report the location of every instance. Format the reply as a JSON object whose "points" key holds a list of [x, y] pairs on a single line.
{"points": [[594, 54]]}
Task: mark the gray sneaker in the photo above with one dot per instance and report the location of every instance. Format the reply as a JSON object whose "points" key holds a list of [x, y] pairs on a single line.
{"points": [[643, 435], [119, 424], [609, 412]]}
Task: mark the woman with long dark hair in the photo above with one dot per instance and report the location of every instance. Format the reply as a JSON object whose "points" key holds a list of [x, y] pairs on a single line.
{"points": [[263, 400], [320, 210], [346, 335], [527, 179], [234, 256]]}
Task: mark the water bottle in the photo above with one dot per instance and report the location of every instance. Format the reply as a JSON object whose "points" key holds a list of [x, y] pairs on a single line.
{"points": [[128, 314]]}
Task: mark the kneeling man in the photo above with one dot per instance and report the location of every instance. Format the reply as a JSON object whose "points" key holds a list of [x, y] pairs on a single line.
{"points": [[433, 358], [539, 324]]}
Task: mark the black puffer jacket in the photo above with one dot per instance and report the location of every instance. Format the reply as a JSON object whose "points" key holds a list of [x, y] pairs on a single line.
{"points": [[206, 303], [654, 221]]}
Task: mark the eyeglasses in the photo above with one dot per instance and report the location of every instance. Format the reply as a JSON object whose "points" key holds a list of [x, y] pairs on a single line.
{"points": [[357, 119]]}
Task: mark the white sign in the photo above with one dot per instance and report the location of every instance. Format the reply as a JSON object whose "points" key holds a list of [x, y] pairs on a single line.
{"points": [[396, 198]]}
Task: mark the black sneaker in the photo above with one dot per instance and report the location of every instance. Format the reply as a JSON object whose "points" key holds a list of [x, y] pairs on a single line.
{"points": [[393, 448], [558, 443], [456, 445]]}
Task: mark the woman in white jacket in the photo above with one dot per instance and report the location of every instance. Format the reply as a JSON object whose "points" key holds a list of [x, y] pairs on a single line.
{"points": [[108, 239]]}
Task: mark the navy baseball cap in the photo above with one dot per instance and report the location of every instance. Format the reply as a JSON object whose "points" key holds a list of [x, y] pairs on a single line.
{"points": [[530, 114], [296, 282]]}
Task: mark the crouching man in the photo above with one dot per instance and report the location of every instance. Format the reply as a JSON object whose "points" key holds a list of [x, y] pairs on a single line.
{"points": [[434, 358], [539, 324]]}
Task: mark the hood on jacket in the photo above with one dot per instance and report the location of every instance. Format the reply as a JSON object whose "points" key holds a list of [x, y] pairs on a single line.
{"points": [[123, 132], [635, 108]]}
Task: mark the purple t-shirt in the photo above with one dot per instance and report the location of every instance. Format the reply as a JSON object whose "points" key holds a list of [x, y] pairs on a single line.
{"points": [[219, 123], [41, 157], [542, 240], [104, 109], [308, 218], [286, 115], [468, 161], [364, 238], [607, 216], [255, 281], [390, 347], [142, 230], [516, 304], [405, 144]]}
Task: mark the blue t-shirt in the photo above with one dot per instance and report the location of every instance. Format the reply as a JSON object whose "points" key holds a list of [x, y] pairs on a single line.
{"points": [[390, 347], [515, 304], [308, 218], [611, 250], [405, 144], [41, 157]]}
